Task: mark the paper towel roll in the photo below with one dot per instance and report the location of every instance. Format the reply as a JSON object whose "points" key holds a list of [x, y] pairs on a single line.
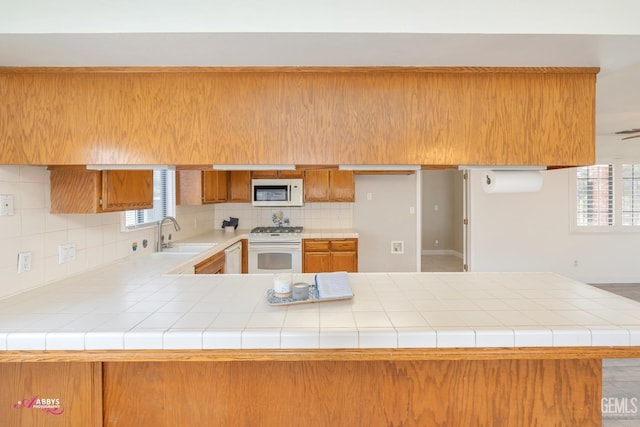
{"points": [[512, 181]]}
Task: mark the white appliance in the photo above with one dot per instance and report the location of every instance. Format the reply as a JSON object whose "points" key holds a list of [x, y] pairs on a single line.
{"points": [[277, 192], [233, 259], [275, 250]]}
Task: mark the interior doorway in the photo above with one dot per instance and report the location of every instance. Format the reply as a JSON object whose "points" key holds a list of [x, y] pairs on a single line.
{"points": [[443, 213]]}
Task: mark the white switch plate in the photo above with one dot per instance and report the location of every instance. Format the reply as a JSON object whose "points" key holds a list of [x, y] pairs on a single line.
{"points": [[24, 262], [6, 204], [66, 253]]}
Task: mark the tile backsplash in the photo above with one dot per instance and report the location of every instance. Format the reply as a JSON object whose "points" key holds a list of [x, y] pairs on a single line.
{"points": [[310, 216]]}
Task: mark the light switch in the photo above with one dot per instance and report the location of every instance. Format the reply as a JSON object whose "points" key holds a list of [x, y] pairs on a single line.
{"points": [[6, 204], [66, 253]]}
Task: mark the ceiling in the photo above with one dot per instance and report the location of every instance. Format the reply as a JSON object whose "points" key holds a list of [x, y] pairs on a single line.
{"points": [[618, 55]]}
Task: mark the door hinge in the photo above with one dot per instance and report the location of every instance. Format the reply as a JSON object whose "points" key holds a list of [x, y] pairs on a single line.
{"points": [[100, 202], [465, 267], [465, 176], [465, 221]]}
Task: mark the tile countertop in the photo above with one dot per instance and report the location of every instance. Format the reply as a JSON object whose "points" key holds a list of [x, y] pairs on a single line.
{"points": [[132, 304]]}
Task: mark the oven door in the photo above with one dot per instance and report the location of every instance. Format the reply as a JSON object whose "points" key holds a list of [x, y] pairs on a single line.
{"points": [[275, 257]]}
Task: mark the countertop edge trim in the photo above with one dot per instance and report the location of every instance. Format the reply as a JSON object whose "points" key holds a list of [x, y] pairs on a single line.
{"points": [[522, 353]]}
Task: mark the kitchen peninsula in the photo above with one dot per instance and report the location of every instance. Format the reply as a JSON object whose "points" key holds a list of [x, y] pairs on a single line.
{"points": [[130, 344]]}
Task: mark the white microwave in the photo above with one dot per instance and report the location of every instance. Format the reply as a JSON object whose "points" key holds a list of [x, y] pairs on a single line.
{"points": [[276, 192]]}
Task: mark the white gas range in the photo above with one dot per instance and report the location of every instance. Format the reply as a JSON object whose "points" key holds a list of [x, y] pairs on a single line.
{"points": [[275, 250]]}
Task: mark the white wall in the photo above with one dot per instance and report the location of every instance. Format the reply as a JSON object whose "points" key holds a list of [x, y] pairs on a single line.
{"points": [[385, 218], [530, 232]]}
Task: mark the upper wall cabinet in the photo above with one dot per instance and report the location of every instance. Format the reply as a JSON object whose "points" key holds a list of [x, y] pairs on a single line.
{"points": [[268, 174], [198, 187], [78, 190], [329, 185], [416, 116], [239, 187]]}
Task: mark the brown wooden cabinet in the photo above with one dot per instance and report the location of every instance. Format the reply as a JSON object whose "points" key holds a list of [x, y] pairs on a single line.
{"points": [[78, 190], [197, 187], [329, 185], [325, 255], [212, 265], [239, 187], [270, 174], [367, 115]]}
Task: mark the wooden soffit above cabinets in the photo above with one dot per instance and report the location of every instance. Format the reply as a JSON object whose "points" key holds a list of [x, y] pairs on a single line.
{"points": [[306, 116]]}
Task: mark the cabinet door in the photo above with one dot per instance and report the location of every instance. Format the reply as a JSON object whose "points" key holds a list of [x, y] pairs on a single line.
{"points": [[344, 261], [316, 262], [240, 186], [188, 187], [211, 265], [214, 186], [75, 190], [316, 186], [124, 190], [341, 186]]}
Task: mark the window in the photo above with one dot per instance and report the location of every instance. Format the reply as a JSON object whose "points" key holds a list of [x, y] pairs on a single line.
{"points": [[607, 197], [594, 195], [630, 194], [164, 201]]}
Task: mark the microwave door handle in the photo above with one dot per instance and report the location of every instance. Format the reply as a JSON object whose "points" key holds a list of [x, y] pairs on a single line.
{"points": [[289, 193]]}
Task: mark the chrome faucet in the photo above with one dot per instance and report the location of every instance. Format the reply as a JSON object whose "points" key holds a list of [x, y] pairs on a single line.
{"points": [[160, 243]]}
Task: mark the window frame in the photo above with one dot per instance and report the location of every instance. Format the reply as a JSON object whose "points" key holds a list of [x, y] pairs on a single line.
{"points": [[617, 226]]}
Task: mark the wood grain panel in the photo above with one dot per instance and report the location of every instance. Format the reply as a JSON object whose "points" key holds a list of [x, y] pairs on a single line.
{"points": [[442, 116], [412, 393], [76, 386], [75, 190], [370, 354]]}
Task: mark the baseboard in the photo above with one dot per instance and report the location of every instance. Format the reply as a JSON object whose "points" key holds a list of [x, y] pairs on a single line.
{"points": [[449, 252]]}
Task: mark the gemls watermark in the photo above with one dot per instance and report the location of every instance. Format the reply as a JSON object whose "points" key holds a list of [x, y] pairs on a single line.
{"points": [[620, 407]]}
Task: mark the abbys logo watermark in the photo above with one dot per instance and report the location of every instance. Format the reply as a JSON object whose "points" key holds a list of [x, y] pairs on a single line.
{"points": [[51, 406], [620, 407]]}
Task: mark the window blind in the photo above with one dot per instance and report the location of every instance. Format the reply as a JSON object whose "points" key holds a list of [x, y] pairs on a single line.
{"points": [[594, 196]]}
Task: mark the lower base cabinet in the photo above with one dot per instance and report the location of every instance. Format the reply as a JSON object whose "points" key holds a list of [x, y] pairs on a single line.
{"points": [[326, 255], [212, 265]]}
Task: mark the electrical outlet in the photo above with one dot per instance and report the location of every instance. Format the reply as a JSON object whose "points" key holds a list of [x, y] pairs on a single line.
{"points": [[24, 262], [66, 253], [6, 204], [397, 247]]}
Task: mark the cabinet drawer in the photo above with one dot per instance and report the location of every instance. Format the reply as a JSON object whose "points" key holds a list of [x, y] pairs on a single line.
{"points": [[316, 245], [343, 245]]}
